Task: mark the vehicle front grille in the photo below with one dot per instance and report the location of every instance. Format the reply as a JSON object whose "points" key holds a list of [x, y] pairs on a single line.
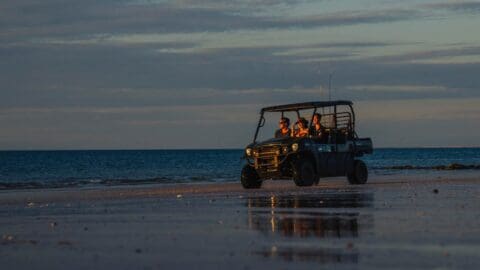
{"points": [[269, 151], [267, 158]]}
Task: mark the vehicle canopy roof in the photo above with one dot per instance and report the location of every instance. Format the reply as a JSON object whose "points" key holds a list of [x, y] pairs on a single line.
{"points": [[306, 105]]}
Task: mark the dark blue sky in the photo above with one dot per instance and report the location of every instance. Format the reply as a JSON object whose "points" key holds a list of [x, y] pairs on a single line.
{"points": [[194, 74]]}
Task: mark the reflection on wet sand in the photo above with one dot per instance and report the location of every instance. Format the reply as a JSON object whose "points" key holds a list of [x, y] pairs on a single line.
{"points": [[307, 224], [320, 255], [309, 216], [326, 200], [331, 215]]}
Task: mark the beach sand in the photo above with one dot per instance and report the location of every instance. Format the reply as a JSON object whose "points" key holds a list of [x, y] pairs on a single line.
{"points": [[393, 222]]}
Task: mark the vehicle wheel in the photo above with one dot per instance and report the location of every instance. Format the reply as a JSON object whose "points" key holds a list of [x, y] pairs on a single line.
{"points": [[359, 175], [304, 173], [250, 178]]}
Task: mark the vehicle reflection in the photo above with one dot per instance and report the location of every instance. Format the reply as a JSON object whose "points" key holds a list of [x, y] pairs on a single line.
{"points": [[321, 216], [310, 216], [299, 224], [324, 200]]}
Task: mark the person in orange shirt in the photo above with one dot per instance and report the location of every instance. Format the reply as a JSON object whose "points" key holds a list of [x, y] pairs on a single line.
{"points": [[302, 130]]}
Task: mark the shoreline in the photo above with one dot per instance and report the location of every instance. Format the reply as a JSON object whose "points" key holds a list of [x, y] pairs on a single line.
{"points": [[213, 189], [402, 171]]}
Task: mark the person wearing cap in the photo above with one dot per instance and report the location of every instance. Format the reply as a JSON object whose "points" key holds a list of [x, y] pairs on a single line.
{"points": [[302, 130], [284, 130]]}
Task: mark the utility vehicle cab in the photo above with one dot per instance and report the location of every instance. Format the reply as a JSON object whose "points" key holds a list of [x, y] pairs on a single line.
{"points": [[306, 159]]}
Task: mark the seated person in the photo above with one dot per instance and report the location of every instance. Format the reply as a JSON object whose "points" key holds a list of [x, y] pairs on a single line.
{"points": [[342, 135], [284, 130], [317, 129], [302, 130]]}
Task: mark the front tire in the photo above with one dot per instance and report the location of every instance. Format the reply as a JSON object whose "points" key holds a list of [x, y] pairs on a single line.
{"points": [[304, 173], [250, 178], [359, 174]]}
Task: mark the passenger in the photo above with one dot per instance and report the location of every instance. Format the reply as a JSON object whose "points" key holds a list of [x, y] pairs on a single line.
{"points": [[317, 130], [284, 130], [302, 131]]}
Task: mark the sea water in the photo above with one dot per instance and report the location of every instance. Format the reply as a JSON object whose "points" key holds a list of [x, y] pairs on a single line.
{"points": [[40, 169]]}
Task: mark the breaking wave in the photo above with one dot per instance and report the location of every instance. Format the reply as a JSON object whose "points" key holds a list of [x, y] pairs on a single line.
{"points": [[71, 183]]}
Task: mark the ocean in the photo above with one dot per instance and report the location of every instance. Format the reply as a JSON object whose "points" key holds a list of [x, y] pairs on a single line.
{"points": [[53, 169]]}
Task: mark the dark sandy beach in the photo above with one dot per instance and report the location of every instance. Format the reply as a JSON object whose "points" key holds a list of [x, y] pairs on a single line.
{"points": [[390, 223]]}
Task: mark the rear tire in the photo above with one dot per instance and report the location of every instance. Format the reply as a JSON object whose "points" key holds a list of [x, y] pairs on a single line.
{"points": [[250, 178], [304, 173], [359, 174]]}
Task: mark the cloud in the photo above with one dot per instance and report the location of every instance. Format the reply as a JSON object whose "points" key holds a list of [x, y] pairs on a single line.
{"points": [[88, 18], [472, 7], [422, 55], [426, 109], [398, 88], [140, 75], [340, 18], [27, 20]]}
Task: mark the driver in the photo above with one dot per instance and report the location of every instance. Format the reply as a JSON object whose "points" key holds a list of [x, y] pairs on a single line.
{"points": [[284, 130]]}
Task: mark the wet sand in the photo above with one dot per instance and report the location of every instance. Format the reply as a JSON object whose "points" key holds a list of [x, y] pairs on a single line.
{"points": [[394, 222]]}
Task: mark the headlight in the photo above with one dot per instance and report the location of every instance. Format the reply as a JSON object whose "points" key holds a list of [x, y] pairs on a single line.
{"points": [[248, 151], [295, 147], [285, 149]]}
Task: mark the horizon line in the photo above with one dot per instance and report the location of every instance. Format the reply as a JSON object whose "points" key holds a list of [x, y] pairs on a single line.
{"points": [[208, 149]]}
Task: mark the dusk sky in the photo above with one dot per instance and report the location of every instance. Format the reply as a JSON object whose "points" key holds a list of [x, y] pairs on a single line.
{"points": [[194, 74]]}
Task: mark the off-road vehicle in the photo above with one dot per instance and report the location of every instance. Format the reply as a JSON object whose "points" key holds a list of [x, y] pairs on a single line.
{"points": [[306, 159]]}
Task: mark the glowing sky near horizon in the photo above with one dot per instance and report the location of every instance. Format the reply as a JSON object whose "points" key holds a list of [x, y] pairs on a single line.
{"points": [[194, 74]]}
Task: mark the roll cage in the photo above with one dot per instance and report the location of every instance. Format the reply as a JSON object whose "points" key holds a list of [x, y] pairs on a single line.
{"points": [[337, 120]]}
